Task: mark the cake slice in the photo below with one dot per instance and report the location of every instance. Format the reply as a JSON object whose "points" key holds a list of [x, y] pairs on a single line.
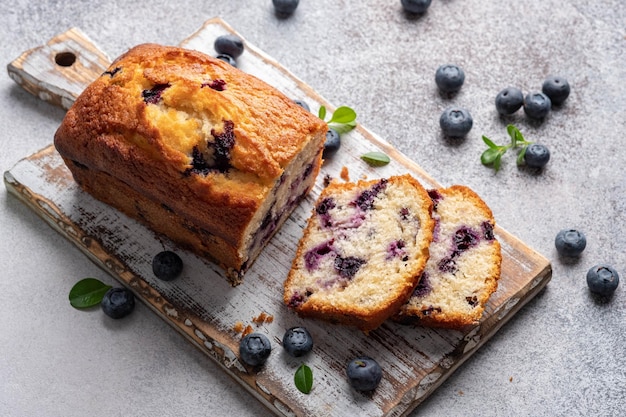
{"points": [[464, 265], [199, 151], [362, 252]]}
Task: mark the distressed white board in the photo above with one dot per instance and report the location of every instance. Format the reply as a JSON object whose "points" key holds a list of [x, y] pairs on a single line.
{"points": [[205, 309]]}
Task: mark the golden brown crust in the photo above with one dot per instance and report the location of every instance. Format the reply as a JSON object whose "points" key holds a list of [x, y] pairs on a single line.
{"points": [[154, 119], [354, 308]]}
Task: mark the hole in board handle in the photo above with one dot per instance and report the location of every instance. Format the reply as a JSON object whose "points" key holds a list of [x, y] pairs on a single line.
{"points": [[65, 59]]}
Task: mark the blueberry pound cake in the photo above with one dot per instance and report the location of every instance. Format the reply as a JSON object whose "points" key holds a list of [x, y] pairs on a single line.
{"points": [[362, 252], [199, 151], [464, 265]]}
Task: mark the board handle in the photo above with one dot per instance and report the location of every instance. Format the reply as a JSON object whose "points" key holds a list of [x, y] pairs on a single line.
{"points": [[60, 70]]}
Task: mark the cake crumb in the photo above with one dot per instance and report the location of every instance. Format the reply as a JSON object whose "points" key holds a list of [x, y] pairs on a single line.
{"points": [[238, 327], [327, 180], [345, 174], [263, 318], [510, 379], [247, 331], [461, 393]]}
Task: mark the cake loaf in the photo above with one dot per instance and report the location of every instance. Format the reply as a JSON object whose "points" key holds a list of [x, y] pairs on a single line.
{"points": [[362, 252], [464, 265], [199, 151]]}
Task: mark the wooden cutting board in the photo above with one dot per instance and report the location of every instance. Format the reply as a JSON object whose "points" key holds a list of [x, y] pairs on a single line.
{"points": [[205, 309]]}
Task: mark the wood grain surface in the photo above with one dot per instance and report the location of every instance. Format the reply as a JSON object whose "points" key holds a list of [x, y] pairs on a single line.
{"points": [[206, 310]]}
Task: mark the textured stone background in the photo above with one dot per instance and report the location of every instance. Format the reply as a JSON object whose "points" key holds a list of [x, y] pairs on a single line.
{"points": [[563, 354]]}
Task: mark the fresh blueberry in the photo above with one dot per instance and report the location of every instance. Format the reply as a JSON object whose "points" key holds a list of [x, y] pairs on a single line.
{"points": [[557, 88], [227, 58], [536, 155], [364, 373], [285, 6], [509, 100], [254, 349], [449, 78], [456, 121], [230, 44], [302, 104], [297, 341], [537, 105], [570, 242], [602, 279], [416, 6], [118, 302], [167, 265], [332, 144]]}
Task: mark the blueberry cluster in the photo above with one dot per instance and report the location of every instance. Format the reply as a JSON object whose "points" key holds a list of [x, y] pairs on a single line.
{"points": [[536, 104], [602, 279], [455, 121], [229, 48]]}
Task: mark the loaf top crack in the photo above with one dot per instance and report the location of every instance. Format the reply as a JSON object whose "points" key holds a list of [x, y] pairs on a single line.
{"points": [[192, 113]]}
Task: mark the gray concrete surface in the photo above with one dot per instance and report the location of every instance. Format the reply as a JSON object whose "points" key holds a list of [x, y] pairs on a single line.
{"points": [[564, 354]]}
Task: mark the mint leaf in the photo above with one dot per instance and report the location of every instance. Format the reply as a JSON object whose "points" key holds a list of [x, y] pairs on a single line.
{"points": [[304, 379], [489, 142], [520, 156], [516, 135], [490, 155], [87, 292], [322, 113], [342, 120], [493, 155], [376, 159], [343, 128], [343, 115]]}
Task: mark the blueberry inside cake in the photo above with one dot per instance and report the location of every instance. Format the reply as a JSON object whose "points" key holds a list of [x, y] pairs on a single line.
{"points": [[464, 265], [199, 151], [362, 253]]}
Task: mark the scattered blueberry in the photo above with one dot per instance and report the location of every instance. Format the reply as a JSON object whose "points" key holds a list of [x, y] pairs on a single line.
{"points": [[167, 265], [227, 58], [570, 242], [537, 105], [285, 6], [556, 88], [302, 104], [449, 78], [416, 6], [297, 341], [602, 279], [509, 100], [364, 373], [332, 144], [230, 44], [118, 302], [254, 349], [456, 121], [536, 155]]}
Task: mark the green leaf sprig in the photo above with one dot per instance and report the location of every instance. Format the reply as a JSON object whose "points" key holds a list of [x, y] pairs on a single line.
{"points": [[304, 379], [376, 159], [492, 156], [342, 120], [87, 293]]}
